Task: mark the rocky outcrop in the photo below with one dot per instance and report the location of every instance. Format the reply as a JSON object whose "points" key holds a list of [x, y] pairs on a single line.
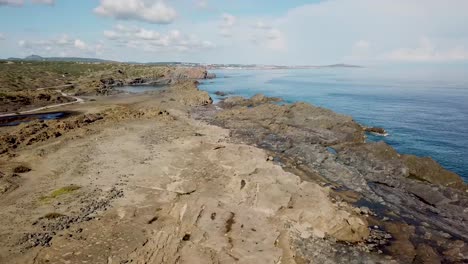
{"points": [[19, 101], [38, 131], [210, 75], [137, 81], [187, 93], [300, 121], [325, 146], [376, 130], [192, 73], [426, 169], [172, 76], [111, 82], [258, 99]]}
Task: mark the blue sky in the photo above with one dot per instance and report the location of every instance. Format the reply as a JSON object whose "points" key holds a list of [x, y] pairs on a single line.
{"points": [[293, 32]]}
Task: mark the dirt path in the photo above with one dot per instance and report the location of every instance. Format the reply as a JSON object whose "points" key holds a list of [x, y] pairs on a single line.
{"points": [[167, 191], [77, 101]]}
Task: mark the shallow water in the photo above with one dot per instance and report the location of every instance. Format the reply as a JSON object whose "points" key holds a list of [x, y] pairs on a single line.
{"points": [[424, 110], [19, 119]]}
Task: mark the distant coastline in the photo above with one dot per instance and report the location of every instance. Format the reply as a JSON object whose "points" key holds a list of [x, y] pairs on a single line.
{"points": [[209, 66]]}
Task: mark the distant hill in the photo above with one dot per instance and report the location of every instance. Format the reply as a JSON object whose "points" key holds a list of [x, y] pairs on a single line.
{"points": [[60, 59], [33, 58], [341, 65]]}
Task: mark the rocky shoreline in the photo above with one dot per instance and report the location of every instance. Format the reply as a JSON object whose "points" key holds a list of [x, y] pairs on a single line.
{"points": [[421, 205], [169, 177]]}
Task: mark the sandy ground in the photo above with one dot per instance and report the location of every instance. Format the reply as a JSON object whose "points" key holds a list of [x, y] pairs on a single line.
{"points": [[163, 190]]}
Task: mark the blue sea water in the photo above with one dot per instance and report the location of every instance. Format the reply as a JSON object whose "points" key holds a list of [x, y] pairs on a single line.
{"points": [[424, 109]]}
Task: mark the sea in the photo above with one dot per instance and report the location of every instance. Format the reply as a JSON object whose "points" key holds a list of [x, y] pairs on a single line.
{"points": [[423, 108]]}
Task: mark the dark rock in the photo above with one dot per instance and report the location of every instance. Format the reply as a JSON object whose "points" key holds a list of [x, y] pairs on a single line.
{"points": [[376, 130], [21, 169], [137, 81], [219, 93]]}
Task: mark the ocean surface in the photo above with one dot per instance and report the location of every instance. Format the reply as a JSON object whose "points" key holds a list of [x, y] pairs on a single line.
{"points": [[424, 109]]}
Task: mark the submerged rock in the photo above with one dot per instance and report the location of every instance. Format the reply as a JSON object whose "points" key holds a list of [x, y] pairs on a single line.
{"points": [[220, 93]]}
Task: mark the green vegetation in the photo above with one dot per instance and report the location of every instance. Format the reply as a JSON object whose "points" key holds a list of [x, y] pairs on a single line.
{"points": [[60, 192], [30, 75]]}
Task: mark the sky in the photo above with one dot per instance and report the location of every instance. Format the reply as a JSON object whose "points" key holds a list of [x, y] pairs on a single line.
{"points": [[281, 32]]}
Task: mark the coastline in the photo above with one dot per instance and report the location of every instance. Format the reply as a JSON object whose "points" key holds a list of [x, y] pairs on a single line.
{"points": [[223, 171], [417, 120], [381, 178]]}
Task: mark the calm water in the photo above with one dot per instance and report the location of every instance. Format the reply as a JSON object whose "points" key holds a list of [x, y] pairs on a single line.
{"points": [[19, 119], [424, 110]]}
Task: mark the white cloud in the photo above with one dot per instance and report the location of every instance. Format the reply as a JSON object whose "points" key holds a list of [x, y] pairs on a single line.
{"points": [[2, 37], [225, 33], [262, 25], [270, 38], [150, 40], [148, 34], [227, 23], [110, 34], [157, 12], [80, 44], [22, 2], [46, 2], [60, 45], [329, 31], [228, 20], [12, 2], [362, 44], [361, 51], [201, 3], [427, 52]]}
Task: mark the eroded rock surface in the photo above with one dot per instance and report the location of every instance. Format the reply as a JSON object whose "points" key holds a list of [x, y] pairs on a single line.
{"points": [[411, 191], [139, 180], [171, 190]]}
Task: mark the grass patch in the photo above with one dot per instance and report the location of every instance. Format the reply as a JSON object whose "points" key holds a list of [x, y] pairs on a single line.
{"points": [[60, 192]]}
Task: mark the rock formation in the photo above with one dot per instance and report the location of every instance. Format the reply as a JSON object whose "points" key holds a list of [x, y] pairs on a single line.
{"points": [[414, 192]]}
